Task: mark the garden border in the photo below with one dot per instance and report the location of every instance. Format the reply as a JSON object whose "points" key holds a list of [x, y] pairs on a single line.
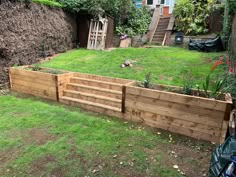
{"points": [[193, 116]]}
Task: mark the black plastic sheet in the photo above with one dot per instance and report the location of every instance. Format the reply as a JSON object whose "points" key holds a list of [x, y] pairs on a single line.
{"points": [[218, 161], [212, 45]]}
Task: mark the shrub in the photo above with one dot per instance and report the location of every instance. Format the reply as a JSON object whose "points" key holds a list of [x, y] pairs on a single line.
{"points": [[118, 8], [137, 23], [191, 15], [50, 3]]}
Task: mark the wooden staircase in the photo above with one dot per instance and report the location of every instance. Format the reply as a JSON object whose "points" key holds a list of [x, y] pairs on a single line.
{"points": [[160, 31], [95, 94]]}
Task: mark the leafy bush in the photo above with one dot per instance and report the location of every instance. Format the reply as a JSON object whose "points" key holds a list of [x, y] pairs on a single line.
{"points": [[191, 15], [50, 3], [137, 23], [188, 82], [91, 6], [118, 8], [232, 6]]}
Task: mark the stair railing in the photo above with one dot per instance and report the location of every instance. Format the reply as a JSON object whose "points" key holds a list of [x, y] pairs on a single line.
{"points": [[169, 30], [154, 23]]}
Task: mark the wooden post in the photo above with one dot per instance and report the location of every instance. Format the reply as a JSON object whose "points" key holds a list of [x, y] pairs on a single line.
{"points": [[89, 38], [96, 38], [57, 88], [123, 99]]}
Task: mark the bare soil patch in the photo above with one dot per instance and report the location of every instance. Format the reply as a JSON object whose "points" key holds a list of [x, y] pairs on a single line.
{"points": [[39, 137]]}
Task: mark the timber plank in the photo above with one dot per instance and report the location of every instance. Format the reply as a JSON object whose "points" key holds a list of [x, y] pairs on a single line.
{"points": [[93, 108], [171, 113], [28, 73], [93, 98], [187, 132], [94, 90], [145, 114], [103, 78], [97, 83], [169, 121], [33, 80], [40, 93], [172, 106], [34, 85], [178, 98]]}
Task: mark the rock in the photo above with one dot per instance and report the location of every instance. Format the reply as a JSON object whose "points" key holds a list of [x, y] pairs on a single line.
{"points": [[122, 65], [127, 63], [175, 166]]}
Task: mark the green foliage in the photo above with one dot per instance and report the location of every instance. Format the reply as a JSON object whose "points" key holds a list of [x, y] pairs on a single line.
{"points": [[118, 8], [191, 16], [50, 3], [230, 85], [36, 67], [230, 10], [137, 22], [188, 82], [217, 87], [147, 80], [91, 6], [232, 6], [214, 89], [206, 85], [124, 29]]}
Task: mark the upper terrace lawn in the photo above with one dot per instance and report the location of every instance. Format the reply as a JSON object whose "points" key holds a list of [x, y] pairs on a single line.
{"points": [[168, 64]]}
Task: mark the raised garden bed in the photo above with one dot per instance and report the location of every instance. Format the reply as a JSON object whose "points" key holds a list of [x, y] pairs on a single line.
{"points": [[193, 116], [43, 82]]}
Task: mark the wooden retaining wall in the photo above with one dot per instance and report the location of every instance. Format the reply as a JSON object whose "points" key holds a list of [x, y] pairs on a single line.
{"points": [[196, 117], [192, 116], [36, 83], [62, 80]]}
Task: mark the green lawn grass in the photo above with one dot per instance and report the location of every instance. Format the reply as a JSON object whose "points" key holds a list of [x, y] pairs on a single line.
{"points": [[167, 64], [39, 138]]}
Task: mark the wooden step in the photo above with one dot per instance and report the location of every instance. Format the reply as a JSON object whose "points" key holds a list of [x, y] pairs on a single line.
{"points": [[162, 27], [102, 78], [96, 83], [165, 18], [158, 41], [93, 98], [94, 90], [159, 33], [158, 36], [163, 22], [88, 105]]}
